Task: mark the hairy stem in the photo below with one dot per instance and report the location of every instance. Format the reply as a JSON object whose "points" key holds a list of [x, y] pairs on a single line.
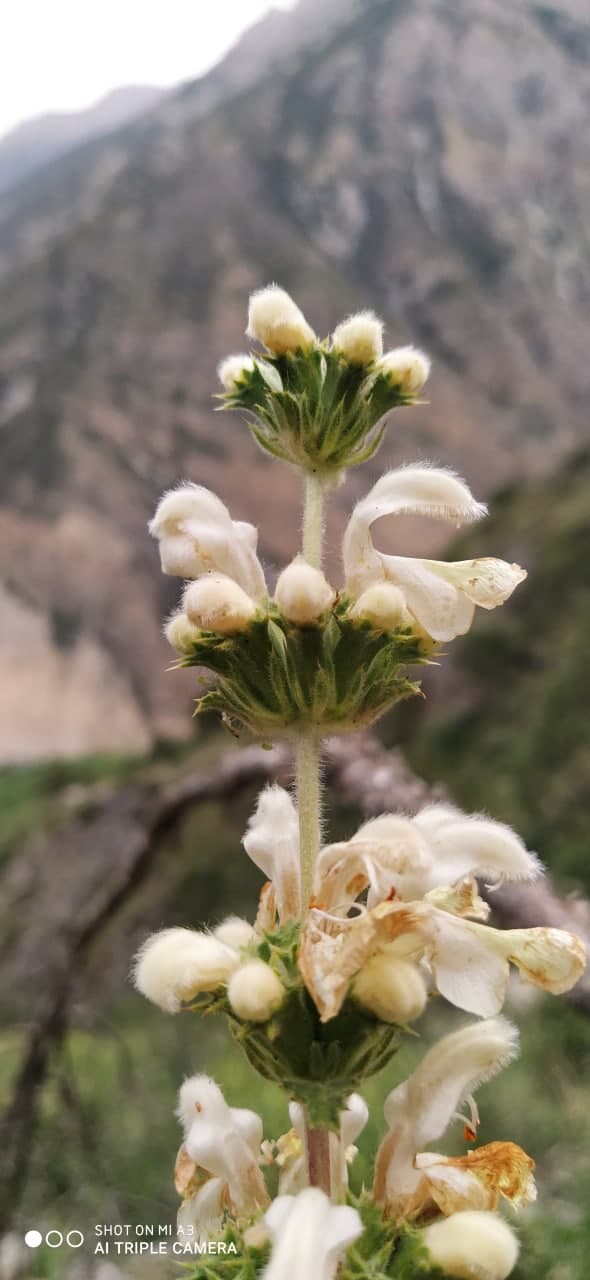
{"points": [[313, 519], [309, 804], [317, 1143]]}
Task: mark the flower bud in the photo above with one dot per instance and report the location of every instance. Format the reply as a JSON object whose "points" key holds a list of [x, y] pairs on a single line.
{"points": [[234, 932], [255, 992], [175, 965], [181, 633], [392, 989], [216, 603], [233, 370], [276, 321], [360, 338], [406, 368], [472, 1243], [383, 605], [302, 592]]}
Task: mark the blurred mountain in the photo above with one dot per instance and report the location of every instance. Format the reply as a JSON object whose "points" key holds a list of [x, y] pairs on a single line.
{"points": [[42, 139], [428, 159]]}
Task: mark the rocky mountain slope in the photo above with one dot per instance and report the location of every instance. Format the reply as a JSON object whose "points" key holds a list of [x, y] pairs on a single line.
{"points": [[430, 159], [42, 139]]}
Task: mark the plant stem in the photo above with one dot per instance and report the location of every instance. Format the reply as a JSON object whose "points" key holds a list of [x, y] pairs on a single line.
{"points": [[309, 805], [313, 519], [309, 799], [317, 1143]]}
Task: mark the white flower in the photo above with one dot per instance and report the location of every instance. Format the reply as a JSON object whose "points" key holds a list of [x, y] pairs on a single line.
{"points": [[310, 1236], [419, 1110], [255, 992], [235, 932], [272, 842], [406, 368], [383, 605], [232, 370], [180, 632], [201, 1213], [175, 965], [393, 989], [302, 593], [197, 535], [275, 320], [442, 597], [217, 603], [224, 1142], [472, 1246], [359, 338], [478, 1179]]}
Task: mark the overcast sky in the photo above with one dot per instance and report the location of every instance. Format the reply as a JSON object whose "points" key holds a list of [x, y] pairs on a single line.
{"points": [[60, 55]]}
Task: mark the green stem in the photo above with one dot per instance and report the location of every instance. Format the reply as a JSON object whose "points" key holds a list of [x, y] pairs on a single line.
{"points": [[309, 805], [313, 519]]}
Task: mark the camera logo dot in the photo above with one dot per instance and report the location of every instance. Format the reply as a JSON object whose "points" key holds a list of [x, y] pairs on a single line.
{"points": [[33, 1239]]}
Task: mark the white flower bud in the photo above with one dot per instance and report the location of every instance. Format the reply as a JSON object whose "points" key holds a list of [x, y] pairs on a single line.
{"points": [[406, 368], [175, 965], [383, 605], [360, 338], [232, 370], [181, 633], [217, 603], [235, 932], [302, 593], [392, 989], [255, 992], [472, 1244], [275, 320]]}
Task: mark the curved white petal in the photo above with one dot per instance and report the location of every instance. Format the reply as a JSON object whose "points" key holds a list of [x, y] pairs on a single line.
{"points": [[471, 844], [197, 535], [201, 1215], [310, 1236], [272, 842], [415, 490]]}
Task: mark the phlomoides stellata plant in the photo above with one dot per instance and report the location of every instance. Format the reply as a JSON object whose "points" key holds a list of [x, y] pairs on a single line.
{"points": [[350, 938]]}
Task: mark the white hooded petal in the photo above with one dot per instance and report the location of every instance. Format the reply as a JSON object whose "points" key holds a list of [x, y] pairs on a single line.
{"points": [[272, 842], [310, 1236], [465, 845], [441, 597], [416, 490], [420, 1109], [223, 1142], [197, 535]]}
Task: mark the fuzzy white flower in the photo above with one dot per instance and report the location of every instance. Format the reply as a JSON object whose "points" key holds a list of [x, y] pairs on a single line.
{"points": [[419, 1110], [310, 1236], [197, 535], [442, 597], [201, 1213], [391, 988], [302, 593], [272, 842], [180, 632], [472, 1246], [235, 932], [406, 368], [217, 603], [383, 605], [359, 338], [233, 369], [175, 965], [275, 320], [255, 992], [224, 1142]]}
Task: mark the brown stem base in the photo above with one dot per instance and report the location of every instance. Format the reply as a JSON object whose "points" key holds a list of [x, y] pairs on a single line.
{"points": [[317, 1142]]}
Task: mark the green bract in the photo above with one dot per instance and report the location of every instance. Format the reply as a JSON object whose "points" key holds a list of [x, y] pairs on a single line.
{"points": [[313, 409], [338, 673]]}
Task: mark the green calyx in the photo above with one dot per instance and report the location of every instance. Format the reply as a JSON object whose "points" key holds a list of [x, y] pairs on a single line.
{"points": [[339, 673], [315, 410]]}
